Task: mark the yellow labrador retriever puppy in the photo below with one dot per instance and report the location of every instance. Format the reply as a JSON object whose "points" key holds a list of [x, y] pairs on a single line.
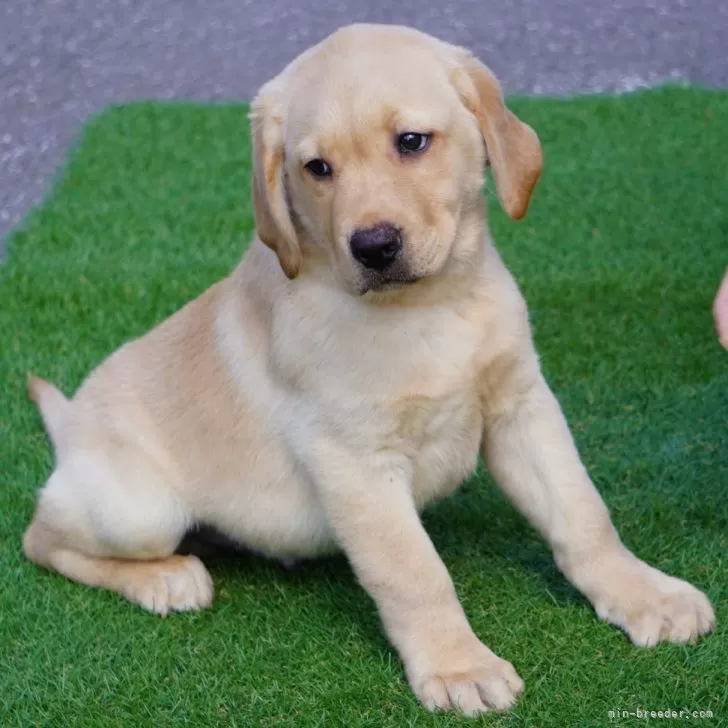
{"points": [[347, 373]]}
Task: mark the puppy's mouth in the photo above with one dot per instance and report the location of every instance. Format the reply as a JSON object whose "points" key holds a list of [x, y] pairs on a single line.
{"points": [[386, 281]]}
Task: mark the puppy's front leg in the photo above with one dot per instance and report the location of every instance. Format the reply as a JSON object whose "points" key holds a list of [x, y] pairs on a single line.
{"points": [[531, 454], [370, 508]]}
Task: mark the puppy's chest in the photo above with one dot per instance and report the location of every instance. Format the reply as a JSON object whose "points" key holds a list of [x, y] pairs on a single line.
{"points": [[393, 381], [426, 358], [440, 436], [417, 419], [433, 416]]}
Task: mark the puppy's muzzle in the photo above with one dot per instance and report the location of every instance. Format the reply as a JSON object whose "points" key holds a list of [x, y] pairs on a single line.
{"points": [[378, 247]]}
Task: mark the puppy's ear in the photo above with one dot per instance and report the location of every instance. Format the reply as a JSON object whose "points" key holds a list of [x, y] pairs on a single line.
{"points": [[512, 147], [272, 216]]}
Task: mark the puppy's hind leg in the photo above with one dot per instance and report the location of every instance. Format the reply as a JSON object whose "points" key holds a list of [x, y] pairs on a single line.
{"points": [[94, 530]]}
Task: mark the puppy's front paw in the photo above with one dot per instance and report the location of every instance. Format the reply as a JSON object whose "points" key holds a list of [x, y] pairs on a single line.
{"points": [[650, 606], [474, 683]]}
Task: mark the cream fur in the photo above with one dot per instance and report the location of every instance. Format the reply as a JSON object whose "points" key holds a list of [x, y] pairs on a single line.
{"points": [[301, 407]]}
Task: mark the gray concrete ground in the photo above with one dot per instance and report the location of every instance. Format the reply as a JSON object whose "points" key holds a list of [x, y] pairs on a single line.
{"points": [[61, 60]]}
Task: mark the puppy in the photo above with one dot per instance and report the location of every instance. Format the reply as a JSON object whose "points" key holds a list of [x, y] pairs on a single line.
{"points": [[348, 372]]}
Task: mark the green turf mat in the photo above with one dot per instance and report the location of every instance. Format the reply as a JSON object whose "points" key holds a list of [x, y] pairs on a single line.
{"points": [[619, 258]]}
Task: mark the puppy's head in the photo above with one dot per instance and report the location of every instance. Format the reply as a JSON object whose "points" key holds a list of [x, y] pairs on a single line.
{"points": [[369, 151]]}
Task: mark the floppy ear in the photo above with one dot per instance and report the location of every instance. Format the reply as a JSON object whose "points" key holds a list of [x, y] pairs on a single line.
{"points": [[512, 147], [272, 216]]}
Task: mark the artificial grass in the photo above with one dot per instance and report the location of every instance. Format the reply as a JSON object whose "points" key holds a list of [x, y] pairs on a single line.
{"points": [[619, 257]]}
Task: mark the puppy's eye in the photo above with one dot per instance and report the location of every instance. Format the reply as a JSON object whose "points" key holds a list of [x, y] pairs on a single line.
{"points": [[319, 168], [411, 142]]}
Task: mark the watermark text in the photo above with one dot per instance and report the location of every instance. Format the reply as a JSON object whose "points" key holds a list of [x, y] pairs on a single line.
{"points": [[664, 714]]}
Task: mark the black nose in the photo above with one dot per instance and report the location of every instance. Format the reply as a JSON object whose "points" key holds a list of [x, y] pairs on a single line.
{"points": [[376, 247]]}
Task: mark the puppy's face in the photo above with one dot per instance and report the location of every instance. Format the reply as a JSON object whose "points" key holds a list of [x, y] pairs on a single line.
{"points": [[381, 157], [370, 151]]}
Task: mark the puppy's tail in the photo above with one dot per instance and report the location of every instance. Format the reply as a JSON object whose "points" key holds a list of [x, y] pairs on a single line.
{"points": [[51, 403]]}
